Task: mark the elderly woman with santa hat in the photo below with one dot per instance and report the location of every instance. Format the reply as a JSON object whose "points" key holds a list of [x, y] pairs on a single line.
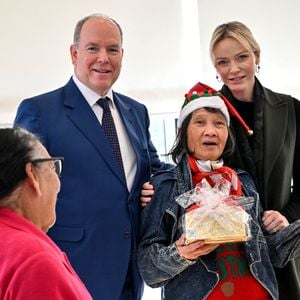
{"points": [[201, 270]]}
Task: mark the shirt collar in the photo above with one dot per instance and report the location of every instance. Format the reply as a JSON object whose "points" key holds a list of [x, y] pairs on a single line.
{"points": [[90, 96]]}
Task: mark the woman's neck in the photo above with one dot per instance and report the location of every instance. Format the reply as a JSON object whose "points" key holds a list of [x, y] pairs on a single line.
{"points": [[246, 94]]}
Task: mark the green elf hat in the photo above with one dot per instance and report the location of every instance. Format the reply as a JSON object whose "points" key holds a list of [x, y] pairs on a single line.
{"points": [[201, 95]]}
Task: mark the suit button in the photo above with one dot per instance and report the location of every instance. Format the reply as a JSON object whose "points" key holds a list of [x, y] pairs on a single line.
{"points": [[126, 234]]}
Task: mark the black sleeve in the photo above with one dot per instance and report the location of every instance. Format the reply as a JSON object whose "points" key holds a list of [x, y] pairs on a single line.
{"points": [[292, 211]]}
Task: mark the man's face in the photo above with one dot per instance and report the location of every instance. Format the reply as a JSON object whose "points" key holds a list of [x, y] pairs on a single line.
{"points": [[97, 58]]}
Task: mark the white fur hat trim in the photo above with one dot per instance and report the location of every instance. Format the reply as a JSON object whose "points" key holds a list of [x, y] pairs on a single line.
{"points": [[210, 101]]}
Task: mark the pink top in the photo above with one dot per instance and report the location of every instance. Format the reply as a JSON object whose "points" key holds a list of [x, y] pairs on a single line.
{"points": [[32, 266]]}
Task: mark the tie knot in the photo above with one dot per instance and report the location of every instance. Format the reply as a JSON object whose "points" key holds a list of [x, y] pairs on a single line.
{"points": [[104, 103]]}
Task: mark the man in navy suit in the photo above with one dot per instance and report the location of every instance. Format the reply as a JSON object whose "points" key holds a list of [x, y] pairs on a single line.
{"points": [[98, 212]]}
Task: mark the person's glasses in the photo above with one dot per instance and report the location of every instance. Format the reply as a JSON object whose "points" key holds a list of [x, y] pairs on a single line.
{"points": [[57, 166]]}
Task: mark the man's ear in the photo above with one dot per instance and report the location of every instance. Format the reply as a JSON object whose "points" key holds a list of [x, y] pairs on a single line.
{"points": [[33, 178], [73, 52]]}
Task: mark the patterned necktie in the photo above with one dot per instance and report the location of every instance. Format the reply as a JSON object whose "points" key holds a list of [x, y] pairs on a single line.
{"points": [[109, 128]]}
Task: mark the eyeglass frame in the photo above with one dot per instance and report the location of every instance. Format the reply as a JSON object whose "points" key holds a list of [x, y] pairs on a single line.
{"points": [[57, 167]]}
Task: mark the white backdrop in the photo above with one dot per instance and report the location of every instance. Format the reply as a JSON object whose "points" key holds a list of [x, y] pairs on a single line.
{"points": [[166, 45], [165, 42]]}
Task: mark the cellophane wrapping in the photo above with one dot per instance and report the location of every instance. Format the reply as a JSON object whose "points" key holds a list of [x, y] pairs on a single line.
{"points": [[215, 216]]}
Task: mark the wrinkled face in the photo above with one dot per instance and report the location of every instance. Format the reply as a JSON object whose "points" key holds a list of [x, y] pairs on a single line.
{"points": [[49, 186], [207, 134], [236, 66], [97, 59]]}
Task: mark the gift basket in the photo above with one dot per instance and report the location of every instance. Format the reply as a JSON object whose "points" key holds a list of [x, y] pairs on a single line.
{"points": [[213, 215]]}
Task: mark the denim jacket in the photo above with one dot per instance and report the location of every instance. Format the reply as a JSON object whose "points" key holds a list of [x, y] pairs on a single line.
{"points": [[160, 263]]}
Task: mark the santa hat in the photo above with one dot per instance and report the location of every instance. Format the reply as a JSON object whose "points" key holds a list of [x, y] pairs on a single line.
{"points": [[201, 95]]}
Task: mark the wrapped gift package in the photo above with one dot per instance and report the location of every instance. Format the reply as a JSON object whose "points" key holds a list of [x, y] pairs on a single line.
{"points": [[215, 216]]}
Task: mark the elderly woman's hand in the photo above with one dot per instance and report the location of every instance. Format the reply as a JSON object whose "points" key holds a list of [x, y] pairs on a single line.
{"points": [[274, 221], [146, 193], [195, 249]]}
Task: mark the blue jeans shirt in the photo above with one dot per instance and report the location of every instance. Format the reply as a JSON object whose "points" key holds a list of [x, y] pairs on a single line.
{"points": [[160, 263]]}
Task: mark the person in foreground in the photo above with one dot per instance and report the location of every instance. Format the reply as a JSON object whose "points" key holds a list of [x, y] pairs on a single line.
{"points": [[31, 265], [98, 214], [237, 270], [272, 154]]}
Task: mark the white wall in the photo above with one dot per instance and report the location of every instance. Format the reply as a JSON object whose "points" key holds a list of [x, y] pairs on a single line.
{"points": [[276, 27], [35, 39], [166, 46]]}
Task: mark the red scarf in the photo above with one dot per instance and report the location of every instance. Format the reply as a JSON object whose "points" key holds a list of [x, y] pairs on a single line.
{"points": [[226, 172]]}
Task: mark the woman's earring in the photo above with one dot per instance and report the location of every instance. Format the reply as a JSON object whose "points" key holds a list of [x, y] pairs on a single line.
{"points": [[218, 78], [257, 68]]}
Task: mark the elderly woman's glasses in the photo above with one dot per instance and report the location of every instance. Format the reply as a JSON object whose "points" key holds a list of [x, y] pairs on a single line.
{"points": [[57, 166]]}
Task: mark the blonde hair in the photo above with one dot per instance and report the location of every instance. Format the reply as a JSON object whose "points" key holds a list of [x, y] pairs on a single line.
{"points": [[235, 30]]}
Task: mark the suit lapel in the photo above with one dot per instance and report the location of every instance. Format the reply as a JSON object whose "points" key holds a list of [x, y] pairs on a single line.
{"points": [[133, 131], [275, 126], [129, 123], [83, 117]]}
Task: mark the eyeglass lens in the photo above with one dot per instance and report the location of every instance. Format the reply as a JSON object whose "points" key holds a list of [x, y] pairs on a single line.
{"points": [[58, 167]]}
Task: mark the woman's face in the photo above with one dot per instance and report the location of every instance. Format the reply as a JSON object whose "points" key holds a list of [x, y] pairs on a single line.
{"points": [[207, 134], [50, 186], [236, 66]]}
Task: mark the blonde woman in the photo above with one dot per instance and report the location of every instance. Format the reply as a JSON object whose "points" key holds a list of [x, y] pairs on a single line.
{"points": [[272, 154]]}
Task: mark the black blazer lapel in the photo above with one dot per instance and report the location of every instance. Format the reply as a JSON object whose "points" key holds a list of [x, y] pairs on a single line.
{"points": [[275, 127]]}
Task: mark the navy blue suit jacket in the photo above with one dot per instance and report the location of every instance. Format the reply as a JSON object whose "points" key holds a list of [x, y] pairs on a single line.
{"points": [[97, 218]]}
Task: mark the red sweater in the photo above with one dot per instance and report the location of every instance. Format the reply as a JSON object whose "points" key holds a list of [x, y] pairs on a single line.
{"points": [[236, 280], [32, 266]]}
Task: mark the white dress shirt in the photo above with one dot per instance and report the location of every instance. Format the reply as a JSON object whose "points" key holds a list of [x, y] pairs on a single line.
{"points": [[127, 152]]}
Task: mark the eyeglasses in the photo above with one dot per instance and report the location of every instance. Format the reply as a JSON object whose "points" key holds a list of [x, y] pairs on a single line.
{"points": [[57, 166]]}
